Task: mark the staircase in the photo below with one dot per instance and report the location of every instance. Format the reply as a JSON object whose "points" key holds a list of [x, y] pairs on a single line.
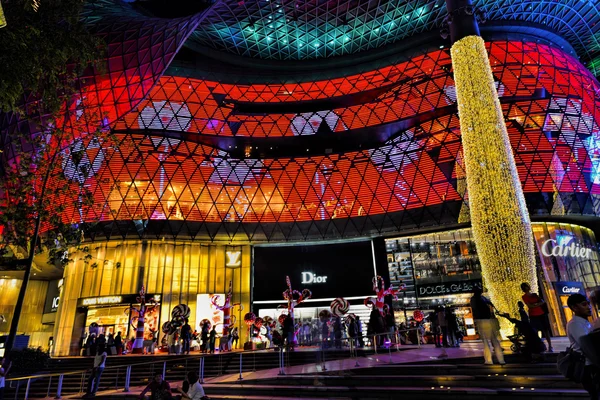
{"points": [[453, 379]]}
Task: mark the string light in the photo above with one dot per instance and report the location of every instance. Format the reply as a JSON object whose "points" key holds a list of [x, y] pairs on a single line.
{"points": [[499, 217], [2, 17]]}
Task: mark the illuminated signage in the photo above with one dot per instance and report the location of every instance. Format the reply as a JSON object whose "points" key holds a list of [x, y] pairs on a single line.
{"points": [[234, 258], [95, 301], [448, 288], [551, 248], [309, 277], [55, 303], [569, 288]]}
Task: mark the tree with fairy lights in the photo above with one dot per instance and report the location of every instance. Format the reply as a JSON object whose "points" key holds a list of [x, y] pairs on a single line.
{"points": [[45, 204]]}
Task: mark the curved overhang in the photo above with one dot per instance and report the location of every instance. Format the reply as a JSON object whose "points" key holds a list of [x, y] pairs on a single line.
{"points": [[201, 62]]}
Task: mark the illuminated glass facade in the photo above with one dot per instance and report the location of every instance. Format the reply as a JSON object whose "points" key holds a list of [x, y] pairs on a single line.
{"points": [[164, 178]]}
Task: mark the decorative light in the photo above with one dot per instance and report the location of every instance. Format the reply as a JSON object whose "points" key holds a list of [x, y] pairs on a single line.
{"points": [[2, 17], [500, 221]]}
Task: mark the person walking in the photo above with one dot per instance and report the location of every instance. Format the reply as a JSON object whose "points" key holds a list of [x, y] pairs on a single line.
{"points": [[443, 324], [186, 335], [119, 343], [482, 314], [538, 313], [159, 389], [578, 327], [94, 379]]}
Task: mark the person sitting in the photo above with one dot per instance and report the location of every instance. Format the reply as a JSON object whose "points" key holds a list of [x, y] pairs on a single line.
{"points": [[195, 391], [158, 387]]}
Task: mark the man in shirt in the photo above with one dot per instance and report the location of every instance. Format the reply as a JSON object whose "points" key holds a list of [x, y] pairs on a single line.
{"points": [[186, 335], [578, 327], [96, 373], [538, 315], [159, 389], [485, 323]]}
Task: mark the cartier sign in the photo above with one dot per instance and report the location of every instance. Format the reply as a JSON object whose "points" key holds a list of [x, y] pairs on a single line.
{"points": [[551, 248]]}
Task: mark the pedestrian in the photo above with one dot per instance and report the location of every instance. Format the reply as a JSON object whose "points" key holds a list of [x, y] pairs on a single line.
{"points": [[195, 391], [96, 372], [442, 322], [538, 313], [359, 332], [119, 343], [235, 336], [452, 327], [186, 336], [484, 321], [4, 370], [288, 332], [110, 342], [204, 335], [212, 339], [159, 389], [578, 327], [337, 332], [523, 316], [90, 345], [436, 329]]}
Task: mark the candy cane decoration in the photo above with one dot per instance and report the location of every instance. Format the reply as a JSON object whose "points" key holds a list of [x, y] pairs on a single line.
{"points": [[291, 303], [381, 292], [228, 319], [138, 344]]}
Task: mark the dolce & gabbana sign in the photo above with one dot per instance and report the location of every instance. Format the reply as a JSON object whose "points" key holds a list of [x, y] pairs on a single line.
{"points": [[445, 288]]}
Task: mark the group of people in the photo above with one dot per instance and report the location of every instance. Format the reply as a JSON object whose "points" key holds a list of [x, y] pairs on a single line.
{"points": [[184, 340], [527, 325], [113, 344], [160, 389]]}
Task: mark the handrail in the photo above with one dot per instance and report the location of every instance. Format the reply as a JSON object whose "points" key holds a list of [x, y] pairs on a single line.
{"points": [[202, 355], [183, 358]]}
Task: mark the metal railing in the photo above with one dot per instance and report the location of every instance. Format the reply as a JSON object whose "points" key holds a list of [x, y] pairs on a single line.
{"points": [[121, 375]]}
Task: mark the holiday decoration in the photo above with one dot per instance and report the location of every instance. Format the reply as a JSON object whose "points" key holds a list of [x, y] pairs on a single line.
{"points": [[228, 319], [339, 306], [294, 298], [138, 344], [349, 318], [381, 292], [282, 318], [181, 310], [496, 202], [167, 328], [418, 315], [324, 315], [249, 319], [206, 322], [258, 322]]}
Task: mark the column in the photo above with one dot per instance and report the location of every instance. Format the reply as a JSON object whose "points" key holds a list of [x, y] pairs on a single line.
{"points": [[499, 216]]}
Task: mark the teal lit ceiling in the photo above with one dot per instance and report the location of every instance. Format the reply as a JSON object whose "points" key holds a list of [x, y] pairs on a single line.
{"points": [[313, 29]]}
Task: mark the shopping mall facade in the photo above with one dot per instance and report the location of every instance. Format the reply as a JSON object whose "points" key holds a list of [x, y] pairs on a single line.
{"points": [[248, 148]]}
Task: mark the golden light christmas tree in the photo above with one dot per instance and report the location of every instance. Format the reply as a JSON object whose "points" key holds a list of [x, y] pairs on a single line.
{"points": [[499, 216]]}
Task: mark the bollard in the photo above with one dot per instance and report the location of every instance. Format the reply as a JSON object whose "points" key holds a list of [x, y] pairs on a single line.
{"points": [[418, 340], [27, 389], [165, 370], [375, 343], [390, 352], [241, 378], [49, 384], [201, 374], [127, 378], [59, 387], [281, 368]]}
